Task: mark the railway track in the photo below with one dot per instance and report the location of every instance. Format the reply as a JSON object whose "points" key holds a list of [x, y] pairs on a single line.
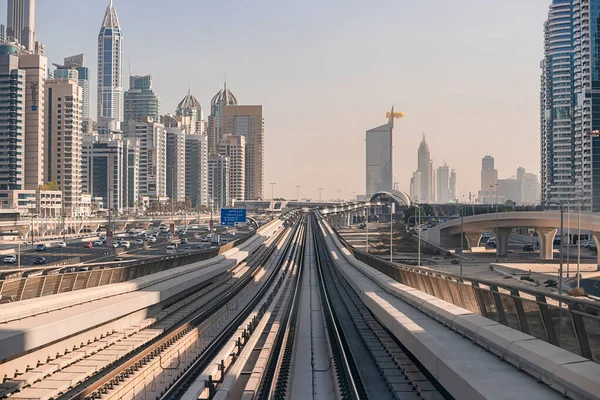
{"points": [[85, 371]]}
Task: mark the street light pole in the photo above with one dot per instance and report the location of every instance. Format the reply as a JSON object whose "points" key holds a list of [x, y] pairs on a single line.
{"points": [[578, 239], [497, 242], [298, 196], [560, 271], [419, 234], [568, 238], [272, 191], [392, 231], [462, 238], [320, 191]]}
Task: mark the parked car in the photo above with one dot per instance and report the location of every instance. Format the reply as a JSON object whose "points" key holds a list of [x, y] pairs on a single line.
{"points": [[40, 247], [39, 260], [61, 244], [88, 245], [171, 249], [10, 259], [528, 247], [362, 226], [98, 243], [103, 238]]}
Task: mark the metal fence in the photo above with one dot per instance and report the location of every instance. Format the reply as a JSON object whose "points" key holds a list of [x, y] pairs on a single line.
{"points": [[564, 321], [27, 288]]}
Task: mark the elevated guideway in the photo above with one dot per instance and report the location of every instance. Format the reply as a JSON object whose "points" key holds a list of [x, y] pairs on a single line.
{"points": [[471, 356]]}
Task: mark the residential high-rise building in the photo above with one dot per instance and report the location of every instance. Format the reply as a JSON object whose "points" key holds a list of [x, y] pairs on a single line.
{"points": [[570, 120], [103, 176], [152, 163], [35, 67], [175, 164], [12, 123], [140, 100], [83, 76], [215, 121], [443, 184], [379, 158], [21, 22], [234, 148], [453, 193], [247, 121], [133, 173], [489, 175], [424, 166], [530, 190], [64, 141], [196, 169], [415, 187], [218, 181], [190, 112], [110, 70]]}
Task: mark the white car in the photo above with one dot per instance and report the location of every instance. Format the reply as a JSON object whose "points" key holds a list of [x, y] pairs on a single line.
{"points": [[139, 241], [61, 244], [10, 259], [151, 239], [98, 243], [115, 245], [125, 244]]}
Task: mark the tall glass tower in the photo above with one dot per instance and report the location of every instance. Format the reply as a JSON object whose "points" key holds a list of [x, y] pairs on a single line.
{"points": [[570, 105], [110, 69]]}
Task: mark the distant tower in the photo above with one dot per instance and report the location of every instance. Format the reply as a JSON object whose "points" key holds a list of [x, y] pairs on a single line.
{"points": [[21, 22], [426, 170], [110, 69], [215, 121], [379, 157]]}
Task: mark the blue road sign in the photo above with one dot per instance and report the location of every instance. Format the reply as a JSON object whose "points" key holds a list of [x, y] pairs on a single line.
{"points": [[231, 216]]}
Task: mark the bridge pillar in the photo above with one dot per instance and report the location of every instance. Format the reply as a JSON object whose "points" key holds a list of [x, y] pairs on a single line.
{"points": [[596, 236], [546, 238], [502, 241], [473, 239]]}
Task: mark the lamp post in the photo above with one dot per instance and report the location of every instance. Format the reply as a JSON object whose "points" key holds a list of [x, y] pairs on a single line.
{"points": [[560, 270], [497, 243], [391, 231], [320, 191], [272, 191], [568, 237], [298, 196], [462, 238], [419, 235]]}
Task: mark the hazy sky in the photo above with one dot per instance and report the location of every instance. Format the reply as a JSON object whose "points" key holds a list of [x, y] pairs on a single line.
{"points": [[465, 72]]}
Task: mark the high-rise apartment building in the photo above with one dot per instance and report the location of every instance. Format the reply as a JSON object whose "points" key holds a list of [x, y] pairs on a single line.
{"points": [[12, 124], [175, 164], [570, 121], [453, 193], [190, 113], [425, 167], [415, 187], [196, 169], [152, 163], [530, 190], [110, 70], [76, 63], [218, 181], [21, 22], [379, 158], [35, 67], [64, 141], [443, 184], [140, 100], [247, 121], [103, 173], [234, 148], [221, 100], [133, 173]]}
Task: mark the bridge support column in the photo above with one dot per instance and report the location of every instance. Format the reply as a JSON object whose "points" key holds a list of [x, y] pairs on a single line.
{"points": [[596, 236], [502, 241], [473, 239], [546, 238]]}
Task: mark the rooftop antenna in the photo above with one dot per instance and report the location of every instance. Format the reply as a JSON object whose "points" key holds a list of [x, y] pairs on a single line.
{"points": [[189, 88]]}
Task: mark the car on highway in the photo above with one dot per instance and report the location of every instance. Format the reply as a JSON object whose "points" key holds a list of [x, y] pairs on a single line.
{"points": [[151, 239], [528, 248], [40, 260], [10, 259], [139, 241], [125, 244], [362, 226], [61, 244], [183, 241], [491, 242], [98, 243], [88, 245], [40, 247], [118, 259], [187, 248], [171, 249], [115, 245], [103, 238], [204, 239]]}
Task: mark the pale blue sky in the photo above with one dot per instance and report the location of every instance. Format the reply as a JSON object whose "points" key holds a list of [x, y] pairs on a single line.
{"points": [[466, 72]]}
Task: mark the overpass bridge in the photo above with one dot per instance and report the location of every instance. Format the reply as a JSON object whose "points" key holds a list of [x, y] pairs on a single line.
{"points": [[293, 311]]}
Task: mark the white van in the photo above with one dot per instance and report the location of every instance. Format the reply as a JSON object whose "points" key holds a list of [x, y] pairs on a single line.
{"points": [[171, 249]]}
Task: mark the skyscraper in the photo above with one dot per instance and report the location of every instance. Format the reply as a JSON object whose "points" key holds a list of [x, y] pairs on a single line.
{"points": [[12, 126], [83, 75], [21, 22], [443, 184], [453, 194], [215, 121], [489, 177], [152, 161], [140, 100], [415, 187], [110, 69], [427, 174], [379, 159], [190, 112], [570, 122], [196, 169], [234, 148], [247, 121], [64, 140], [218, 181], [175, 163]]}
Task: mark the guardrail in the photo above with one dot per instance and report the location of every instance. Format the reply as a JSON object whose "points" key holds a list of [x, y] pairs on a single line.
{"points": [[564, 321], [38, 286]]}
